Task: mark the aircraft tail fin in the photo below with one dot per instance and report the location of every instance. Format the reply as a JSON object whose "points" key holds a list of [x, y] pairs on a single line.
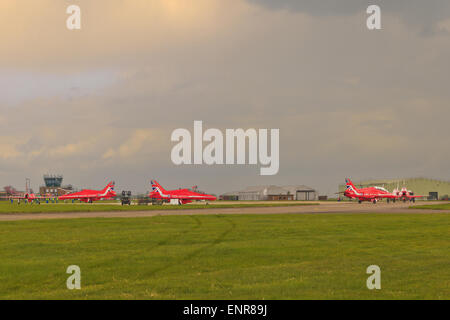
{"points": [[349, 183], [156, 186], [109, 186]]}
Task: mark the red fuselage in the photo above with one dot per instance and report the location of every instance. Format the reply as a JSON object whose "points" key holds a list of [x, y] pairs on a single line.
{"points": [[182, 195], [367, 194], [28, 196], [88, 195]]}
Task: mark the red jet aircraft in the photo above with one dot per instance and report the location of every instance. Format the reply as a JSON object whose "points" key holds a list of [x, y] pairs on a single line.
{"points": [[29, 197], [372, 194], [406, 194], [91, 195], [183, 196]]}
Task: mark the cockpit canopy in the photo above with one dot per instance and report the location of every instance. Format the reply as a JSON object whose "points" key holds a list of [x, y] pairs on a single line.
{"points": [[381, 189]]}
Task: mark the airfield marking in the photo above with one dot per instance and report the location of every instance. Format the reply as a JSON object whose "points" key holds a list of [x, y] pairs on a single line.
{"points": [[323, 207]]}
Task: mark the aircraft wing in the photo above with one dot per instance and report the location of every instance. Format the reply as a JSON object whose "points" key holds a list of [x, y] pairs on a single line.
{"points": [[18, 197], [85, 196], [387, 196], [13, 197], [78, 196], [188, 197], [371, 196]]}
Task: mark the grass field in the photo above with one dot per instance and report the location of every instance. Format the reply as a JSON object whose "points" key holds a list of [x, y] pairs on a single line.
{"points": [[322, 256], [7, 207], [441, 206]]}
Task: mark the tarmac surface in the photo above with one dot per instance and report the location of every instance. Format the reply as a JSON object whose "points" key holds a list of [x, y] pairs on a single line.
{"points": [[322, 207]]}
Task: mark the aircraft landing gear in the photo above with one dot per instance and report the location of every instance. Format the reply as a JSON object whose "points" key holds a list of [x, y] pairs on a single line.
{"points": [[359, 201], [374, 201]]}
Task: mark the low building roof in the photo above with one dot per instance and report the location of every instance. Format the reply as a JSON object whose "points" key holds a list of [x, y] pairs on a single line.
{"points": [[255, 189], [299, 188], [231, 193], [274, 190]]}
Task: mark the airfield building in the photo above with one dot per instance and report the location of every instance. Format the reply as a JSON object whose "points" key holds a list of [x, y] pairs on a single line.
{"points": [[272, 193], [230, 196], [53, 185]]}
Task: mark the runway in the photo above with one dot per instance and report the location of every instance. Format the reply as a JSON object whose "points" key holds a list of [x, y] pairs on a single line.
{"points": [[321, 208]]}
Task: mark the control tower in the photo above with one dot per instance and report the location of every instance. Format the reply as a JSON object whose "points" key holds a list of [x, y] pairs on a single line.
{"points": [[53, 185], [53, 181]]}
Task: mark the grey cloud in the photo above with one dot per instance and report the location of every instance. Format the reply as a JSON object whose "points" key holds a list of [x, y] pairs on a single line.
{"points": [[347, 102], [421, 15], [320, 8]]}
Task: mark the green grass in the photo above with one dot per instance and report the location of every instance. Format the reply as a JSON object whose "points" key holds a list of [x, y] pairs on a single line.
{"points": [[7, 207], [308, 256], [442, 206]]}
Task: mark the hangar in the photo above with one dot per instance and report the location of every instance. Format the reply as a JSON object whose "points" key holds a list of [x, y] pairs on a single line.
{"points": [[301, 192], [273, 193], [230, 196]]}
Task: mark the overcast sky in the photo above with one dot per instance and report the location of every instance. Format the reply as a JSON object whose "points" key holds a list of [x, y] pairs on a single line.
{"points": [[101, 102]]}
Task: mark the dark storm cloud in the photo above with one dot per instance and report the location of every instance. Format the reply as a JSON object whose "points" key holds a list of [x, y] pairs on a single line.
{"points": [[421, 15], [347, 101]]}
